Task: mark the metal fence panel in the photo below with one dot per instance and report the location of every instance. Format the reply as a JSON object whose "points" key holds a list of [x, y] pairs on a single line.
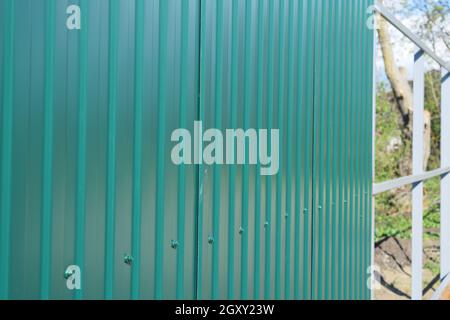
{"points": [[86, 176], [342, 163], [87, 201], [257, 73]]}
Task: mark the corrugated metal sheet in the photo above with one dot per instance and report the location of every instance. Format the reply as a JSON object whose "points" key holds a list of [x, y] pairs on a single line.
{"points": [[258, 60], [342, 150], [86, 176]]}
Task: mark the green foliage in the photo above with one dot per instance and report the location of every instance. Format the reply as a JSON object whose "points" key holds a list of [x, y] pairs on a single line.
{"points": [[392, 226], [399, 226], [432, 104], [393, 209], [433, 266], [393, 212], [386, 165]]}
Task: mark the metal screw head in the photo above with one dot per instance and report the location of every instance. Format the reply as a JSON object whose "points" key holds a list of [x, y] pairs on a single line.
{"points": [[174, 244], [210, 240], [241, 230], [305, 210], [266, 224], [128, 259]]}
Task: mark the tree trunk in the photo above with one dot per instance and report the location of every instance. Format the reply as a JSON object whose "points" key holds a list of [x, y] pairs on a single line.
{"points": [[403, 95]]}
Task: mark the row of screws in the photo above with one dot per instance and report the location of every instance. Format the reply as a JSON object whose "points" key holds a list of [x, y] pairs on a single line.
{"points": [[174, 244]]}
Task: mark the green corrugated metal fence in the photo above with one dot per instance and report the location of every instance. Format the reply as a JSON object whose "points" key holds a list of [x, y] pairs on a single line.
{"points": [[86, 175]]}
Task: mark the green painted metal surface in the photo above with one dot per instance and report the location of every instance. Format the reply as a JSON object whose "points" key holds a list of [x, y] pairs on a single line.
{"points": [[342, 150], [86, 174]]}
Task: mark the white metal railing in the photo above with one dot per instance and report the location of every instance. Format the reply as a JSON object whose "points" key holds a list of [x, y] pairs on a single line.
{"points": [[419, 176]]}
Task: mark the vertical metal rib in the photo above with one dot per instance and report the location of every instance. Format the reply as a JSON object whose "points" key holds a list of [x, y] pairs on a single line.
{"points": [[361, 164], [81, 147], [327, 207], [323, 170], [278, 210], [111, 146], [6, 145], [233, 122], [368, 38], [300, 143], [319, 116], [353, 199], [270, 106], [200, 174], [137, 148], [349, 141], [349, 184], [288, 213], [298, 159], [259, 116], [217, 167], [342, 160], [160, 167], [309, 155], [366, 167], [245, 174], [46, 222], [316, 28], [338, 152], [182, 169], [333, 134], [347, 90], [354, 162]]}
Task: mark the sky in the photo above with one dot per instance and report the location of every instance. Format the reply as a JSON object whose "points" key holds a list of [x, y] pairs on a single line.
{"points": [[403, 48]]}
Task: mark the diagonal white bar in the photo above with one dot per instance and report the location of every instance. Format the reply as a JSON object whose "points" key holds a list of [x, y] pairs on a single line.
{"points": [[417, 193], [419, 175], [445, 180], [409, 34], [382, 187]]}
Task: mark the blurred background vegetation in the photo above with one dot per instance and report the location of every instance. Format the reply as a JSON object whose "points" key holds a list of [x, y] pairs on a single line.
{"points": [[394, 208], [430, 20]]}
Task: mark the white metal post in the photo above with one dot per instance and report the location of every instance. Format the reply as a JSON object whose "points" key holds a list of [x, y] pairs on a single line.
{"points": [[445, 180], [417, 193], [374, 130], [419, 174]]}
